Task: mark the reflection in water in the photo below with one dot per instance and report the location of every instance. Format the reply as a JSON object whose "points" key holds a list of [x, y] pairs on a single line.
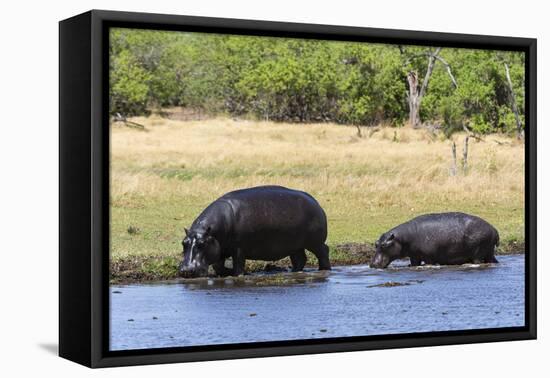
{"points": [[347, 301], [255, 280]]}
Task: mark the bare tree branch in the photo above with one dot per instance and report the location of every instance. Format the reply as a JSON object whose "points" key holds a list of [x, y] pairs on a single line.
{"points": [[122, 118], [431, 63], [471, 133], [465, 156], [415, 56], [359, 134], [453, 163], [373, 131], [502, 143], [448, 67]]}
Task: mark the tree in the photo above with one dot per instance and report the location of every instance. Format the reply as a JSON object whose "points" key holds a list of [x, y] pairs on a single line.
{"points": [[297, 80], [514, 102], [416, 94], [128, 85]]}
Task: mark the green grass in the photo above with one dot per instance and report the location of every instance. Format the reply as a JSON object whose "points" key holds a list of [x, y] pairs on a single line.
{"points": [[161, 180], [155, 251]]}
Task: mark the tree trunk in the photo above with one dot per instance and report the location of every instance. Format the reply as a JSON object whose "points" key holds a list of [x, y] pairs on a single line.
{"points": [[514, 103], [414, 116], [415, 96]]}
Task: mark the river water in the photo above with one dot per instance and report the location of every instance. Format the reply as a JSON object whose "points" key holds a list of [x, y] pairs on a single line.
{"points": [[348, 301]]}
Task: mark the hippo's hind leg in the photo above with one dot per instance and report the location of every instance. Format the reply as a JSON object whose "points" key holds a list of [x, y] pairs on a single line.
{"points": [[321, 252], [489, 254], [491, 259], [477, 257], [298, 260]]}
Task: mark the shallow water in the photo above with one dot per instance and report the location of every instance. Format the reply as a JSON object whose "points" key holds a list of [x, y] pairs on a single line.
{"points": [[348, 301]]}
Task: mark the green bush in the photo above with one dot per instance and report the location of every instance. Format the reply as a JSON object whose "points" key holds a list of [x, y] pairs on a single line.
{"points": [[295, 80], [129, 87], [451, 111]]}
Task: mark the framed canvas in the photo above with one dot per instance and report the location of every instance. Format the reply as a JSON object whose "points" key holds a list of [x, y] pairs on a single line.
{"points": [[234, 188]]}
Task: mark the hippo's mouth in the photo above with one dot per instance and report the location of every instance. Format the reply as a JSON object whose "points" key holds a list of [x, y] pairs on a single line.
{"points": [[193, 273], [379, 261]]}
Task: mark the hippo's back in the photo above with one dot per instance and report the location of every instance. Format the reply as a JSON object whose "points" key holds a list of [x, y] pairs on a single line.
{"points": [[451, 222], [276, 216], [453, 228], [275, 204], [268, 193]]}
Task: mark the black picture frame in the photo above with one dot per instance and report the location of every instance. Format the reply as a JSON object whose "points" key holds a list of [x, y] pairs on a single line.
{"points": [[84, 188]]}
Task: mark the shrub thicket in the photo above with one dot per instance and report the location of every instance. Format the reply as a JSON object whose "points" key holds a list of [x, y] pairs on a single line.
{"points": [[300, 80]]}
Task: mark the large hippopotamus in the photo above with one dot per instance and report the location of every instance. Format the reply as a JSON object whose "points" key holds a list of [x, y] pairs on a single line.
{"points": [[260, 223], [446, 239]]}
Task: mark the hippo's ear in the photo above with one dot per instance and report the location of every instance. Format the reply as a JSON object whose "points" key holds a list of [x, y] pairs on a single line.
{"points": [[186, 231]]}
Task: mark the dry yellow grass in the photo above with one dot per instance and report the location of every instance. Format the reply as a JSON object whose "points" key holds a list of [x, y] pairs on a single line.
{"points": [[163, 177]]}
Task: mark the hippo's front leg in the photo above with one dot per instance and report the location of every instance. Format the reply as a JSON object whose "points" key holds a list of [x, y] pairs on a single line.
{"points": [[238, 262], [220, 268], [415, 261]]}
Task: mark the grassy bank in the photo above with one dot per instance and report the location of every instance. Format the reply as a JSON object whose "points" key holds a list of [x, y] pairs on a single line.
{"points": [[162, 178]]}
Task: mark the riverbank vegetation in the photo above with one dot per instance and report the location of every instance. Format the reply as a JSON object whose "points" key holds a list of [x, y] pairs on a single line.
{"points": [[377, 133], [164, 174]]}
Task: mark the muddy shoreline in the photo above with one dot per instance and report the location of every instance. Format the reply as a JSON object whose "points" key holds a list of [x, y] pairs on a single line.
{"points": [[137, 269]]}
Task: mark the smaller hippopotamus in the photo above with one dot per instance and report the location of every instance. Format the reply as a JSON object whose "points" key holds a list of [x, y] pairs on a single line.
{"points": [[445, 238]]}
